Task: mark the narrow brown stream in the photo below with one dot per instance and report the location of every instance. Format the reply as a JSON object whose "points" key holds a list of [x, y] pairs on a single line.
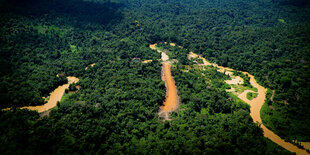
{"points": [[91, 65]]}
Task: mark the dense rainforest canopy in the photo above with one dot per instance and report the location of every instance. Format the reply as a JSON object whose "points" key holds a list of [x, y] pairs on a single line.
{"points": [[115, 111]]}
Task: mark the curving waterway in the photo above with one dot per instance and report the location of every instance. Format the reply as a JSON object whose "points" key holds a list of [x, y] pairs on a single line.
{"points": [[256, 104], [55, 96]]}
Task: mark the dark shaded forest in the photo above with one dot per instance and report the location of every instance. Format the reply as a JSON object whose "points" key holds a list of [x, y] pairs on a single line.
{"points": [[115, 111]]}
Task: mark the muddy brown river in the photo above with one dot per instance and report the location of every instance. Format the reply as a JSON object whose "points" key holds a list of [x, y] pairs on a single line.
{"points": [[256, 104], [172, 102], [172, 99], [55, 96]]}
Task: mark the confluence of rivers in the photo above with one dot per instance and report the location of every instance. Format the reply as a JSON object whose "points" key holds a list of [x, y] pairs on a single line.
{"points": [[256, 103]]}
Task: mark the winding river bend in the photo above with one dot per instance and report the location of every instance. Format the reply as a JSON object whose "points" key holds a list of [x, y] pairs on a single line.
{"points": [[55, 96], [256, 104]]}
